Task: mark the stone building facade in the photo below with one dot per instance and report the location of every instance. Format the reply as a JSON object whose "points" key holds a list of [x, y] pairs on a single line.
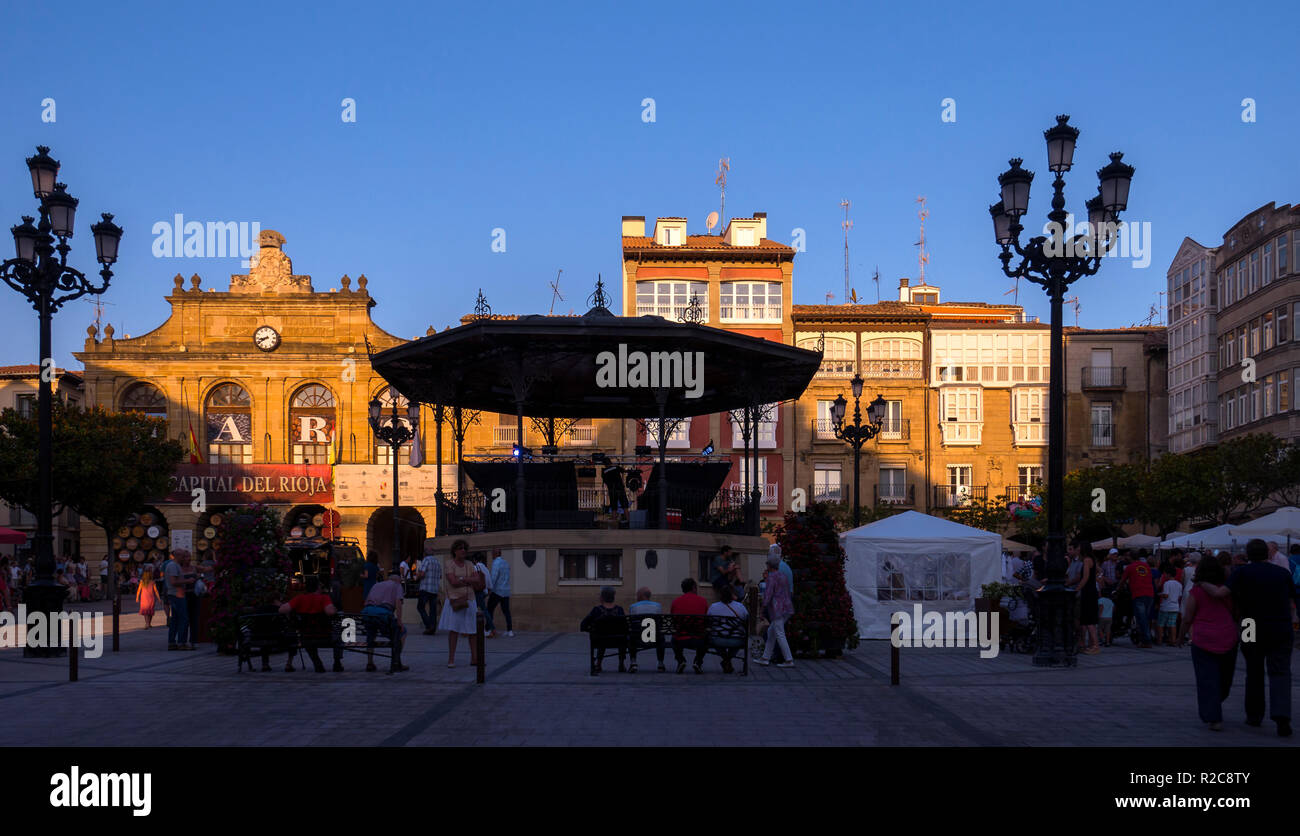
{"points": [[1116, 395]]}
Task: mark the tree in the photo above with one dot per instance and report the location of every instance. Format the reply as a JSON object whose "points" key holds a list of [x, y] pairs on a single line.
{"points": [[1238, 476], [986, 514], [105, 464], [1285, 474], [823, 611], [1171, 489], [1099, 500], [841, 513]]}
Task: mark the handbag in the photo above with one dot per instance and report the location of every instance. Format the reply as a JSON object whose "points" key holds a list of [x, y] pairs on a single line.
{"points": [[458, 604], [477, 582]]}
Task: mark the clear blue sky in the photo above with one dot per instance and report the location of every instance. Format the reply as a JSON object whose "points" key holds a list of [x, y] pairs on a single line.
{"points": [[528, 117]]}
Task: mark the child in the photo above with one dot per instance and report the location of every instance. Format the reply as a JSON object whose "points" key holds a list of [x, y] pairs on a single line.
{"points": [[1105, 610], [147, 595], [1171, 599]]}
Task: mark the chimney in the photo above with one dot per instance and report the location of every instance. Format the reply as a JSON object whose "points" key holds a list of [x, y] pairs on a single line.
{"points": [[903, 295], [761, 217], [634, 226]]}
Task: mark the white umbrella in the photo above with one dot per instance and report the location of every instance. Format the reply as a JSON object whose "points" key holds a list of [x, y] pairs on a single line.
{"points": [[1284, 522], [1133, 541]]}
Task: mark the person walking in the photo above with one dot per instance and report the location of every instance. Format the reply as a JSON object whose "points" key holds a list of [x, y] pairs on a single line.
{"points": [[1088, 597], [1137, 580], [460, 611], [1171, 603], [194, 586], [481, 595], [177, 612], [499, 584], [429, 575], [146, 595], [1214, 644], [780, 606]]}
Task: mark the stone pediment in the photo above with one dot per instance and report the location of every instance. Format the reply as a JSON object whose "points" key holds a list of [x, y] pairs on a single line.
{"points": [[270, 270]]}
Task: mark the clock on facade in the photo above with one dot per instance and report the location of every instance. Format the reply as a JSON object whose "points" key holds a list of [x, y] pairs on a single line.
{"points": [[266, 338]]}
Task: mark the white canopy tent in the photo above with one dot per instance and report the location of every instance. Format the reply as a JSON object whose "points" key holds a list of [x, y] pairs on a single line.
{"points": [[913, 558], [1284, 523], [1133, 541], [1219, 537]]}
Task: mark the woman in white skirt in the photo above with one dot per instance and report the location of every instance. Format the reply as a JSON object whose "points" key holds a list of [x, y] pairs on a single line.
{"points": [[459, 611]]}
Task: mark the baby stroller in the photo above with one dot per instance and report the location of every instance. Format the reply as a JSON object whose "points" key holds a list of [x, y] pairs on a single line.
{"points": [[1023, 617]]}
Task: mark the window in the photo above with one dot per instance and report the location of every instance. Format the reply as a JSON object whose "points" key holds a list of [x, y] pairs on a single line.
{"points": [[1029, 414], [1229, 411], [144, 399], [678, 436], [837, 356], [1268, 396], [383, 452], [960, 482], [825, 426], [591, 566], [25, 404], [744, 237], [1268, 331], [1254, 402], [670, 298], [1283, 392], [1254, 337], [893, 484], [229, 420], [1281, 255], [750, 302], [1283, 332], [1254, 271], [672, 236], [892, 426], [766, 436], [311, 424], [960, 414], [1030, 475], [891, 358], [1103, 425], [827, 482]]}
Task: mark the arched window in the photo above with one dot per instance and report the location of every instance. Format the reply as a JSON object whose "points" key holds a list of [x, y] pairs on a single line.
{"points": [[145, 399], [384, 453], [311, 424], [228, 415], [837, 357]]}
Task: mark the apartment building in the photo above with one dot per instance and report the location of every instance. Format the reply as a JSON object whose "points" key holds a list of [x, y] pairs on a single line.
{"points": [[1116, 395], [1192, 358]]}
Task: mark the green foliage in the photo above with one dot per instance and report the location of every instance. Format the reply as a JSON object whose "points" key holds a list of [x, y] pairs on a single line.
{"points": [[105, 464], [252, 569], [997, 589], [823, 612], [1285, 474], [985, 514], [841, 513]]}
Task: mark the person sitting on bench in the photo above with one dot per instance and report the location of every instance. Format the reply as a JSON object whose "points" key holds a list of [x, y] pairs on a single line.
{"points": [[604, 608], [311, 601], [726, 605], [383, 609], [645, 606], [689, 603]]}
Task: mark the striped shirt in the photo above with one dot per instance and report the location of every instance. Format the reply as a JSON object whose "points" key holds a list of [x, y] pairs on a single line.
{"points": [[432, 579]]}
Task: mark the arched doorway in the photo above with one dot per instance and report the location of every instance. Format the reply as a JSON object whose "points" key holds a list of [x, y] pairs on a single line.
{"points": [[379, 534]]}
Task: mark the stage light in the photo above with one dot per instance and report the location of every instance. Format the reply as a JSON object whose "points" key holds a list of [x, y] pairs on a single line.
{"points": [[643, 449]]}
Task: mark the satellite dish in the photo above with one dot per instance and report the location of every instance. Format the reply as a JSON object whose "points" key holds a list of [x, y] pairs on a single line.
{"points": [[711, 221]]}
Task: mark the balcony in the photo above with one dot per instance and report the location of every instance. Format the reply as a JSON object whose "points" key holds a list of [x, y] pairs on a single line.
{"points": [[892, 369], [828, 493], [895, 429], [1103, 435], [823, 429], [504, 436], [1022, 493], [470, 512], [1029, 434], [770, 498], [1105, 377], [671, 312], [958, 496], [966, 433], [894, 495], [750, 313], [580, 436]]}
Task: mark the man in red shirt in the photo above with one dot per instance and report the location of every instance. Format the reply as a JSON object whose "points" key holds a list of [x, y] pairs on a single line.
{"points": [[311, 601], [689, 603], [1137, 577]]}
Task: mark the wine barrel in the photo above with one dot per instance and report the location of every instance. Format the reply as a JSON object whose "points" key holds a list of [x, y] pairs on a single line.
{"points": [[215, 519], [123, 556], [318, 520], [147, 543], [124, 531], [156, 556], [310, 531], [209, 532], [296, 531], [137, 531], [161, 542], [137, 556], [132, 543], [117, 543], [146, 518], [153, 531]]}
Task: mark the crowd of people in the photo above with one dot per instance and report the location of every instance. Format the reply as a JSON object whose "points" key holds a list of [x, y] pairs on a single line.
{"points": [[1219, 602], [775, 596]]}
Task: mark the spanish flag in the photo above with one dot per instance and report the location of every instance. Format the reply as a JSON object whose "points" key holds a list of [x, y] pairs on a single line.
{"points": [[332, 454], [196, 456]]}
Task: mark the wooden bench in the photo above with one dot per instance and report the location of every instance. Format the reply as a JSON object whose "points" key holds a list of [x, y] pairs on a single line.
{"points": [[719, 634]]}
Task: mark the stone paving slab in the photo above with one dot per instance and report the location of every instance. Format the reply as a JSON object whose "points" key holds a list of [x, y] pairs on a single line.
{"points": [[539, 693]]}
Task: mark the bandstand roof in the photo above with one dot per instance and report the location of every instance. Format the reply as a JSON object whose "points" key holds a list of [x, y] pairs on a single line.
{"points": [[483, 364]]}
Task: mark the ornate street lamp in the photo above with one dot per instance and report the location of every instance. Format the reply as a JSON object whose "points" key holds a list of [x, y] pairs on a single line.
{"points": [[394, 432], [47, 281], [857, 434], [1055, 262]]}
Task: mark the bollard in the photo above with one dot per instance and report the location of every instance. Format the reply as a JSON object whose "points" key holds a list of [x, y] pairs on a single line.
{"points": [[116, 595], [73, 645], [893, 652], [481, 674]]}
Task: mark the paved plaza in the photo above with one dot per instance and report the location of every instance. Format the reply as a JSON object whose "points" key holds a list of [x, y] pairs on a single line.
{"points": [[538, 692]]}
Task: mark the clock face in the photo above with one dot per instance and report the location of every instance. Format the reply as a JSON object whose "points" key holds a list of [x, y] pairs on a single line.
{"points": [[266, 338]]}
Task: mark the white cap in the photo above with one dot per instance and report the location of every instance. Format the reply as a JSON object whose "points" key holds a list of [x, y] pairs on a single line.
{"points": [[1113, 551], [774, 550]]}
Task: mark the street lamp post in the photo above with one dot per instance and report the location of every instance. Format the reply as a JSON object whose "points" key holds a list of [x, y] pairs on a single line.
{"points": [[391, 430], [1056, 261], [857, 434], [49, 283]]}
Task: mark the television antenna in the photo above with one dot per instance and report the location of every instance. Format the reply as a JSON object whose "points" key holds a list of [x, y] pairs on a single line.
{"points": [[1073, 300], [724, 165], [555, 292], [847, 224], [924, 256], [876, 278], [99, 310], [829, 297], [1015, 300]]}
